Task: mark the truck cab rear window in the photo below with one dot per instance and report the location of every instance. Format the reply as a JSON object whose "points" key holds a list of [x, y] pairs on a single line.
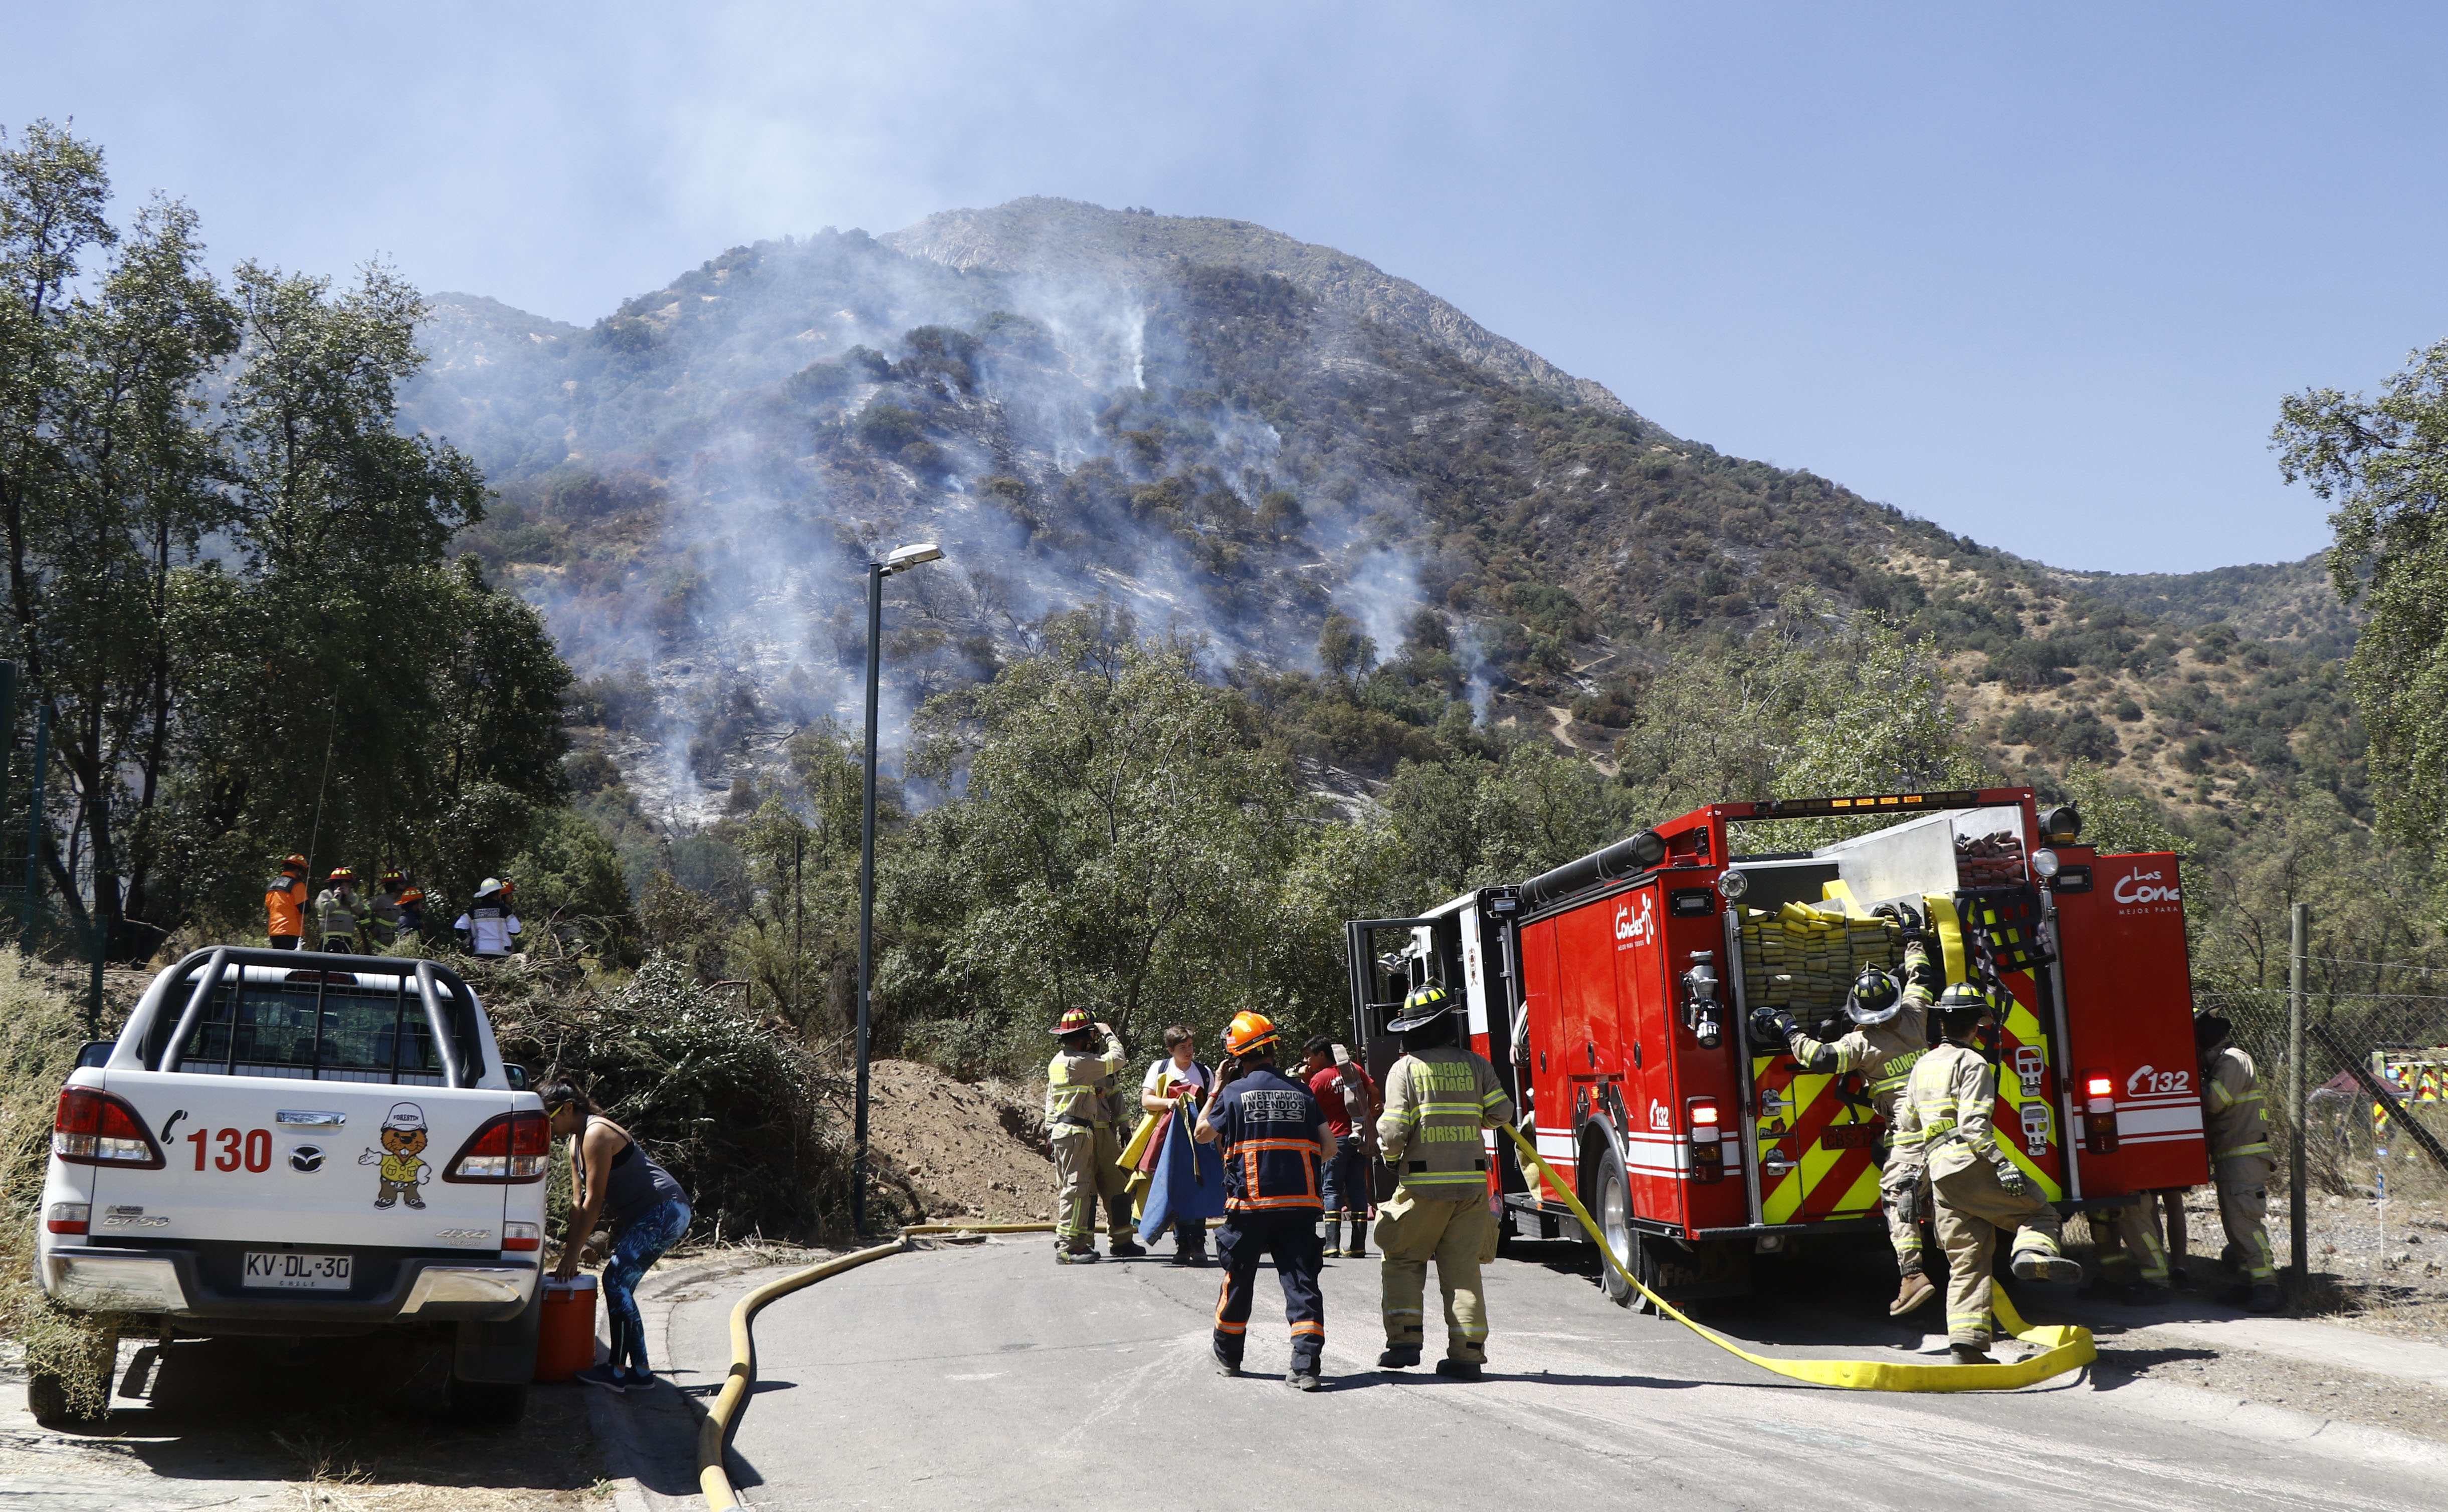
{"points": [[269, 1028]]}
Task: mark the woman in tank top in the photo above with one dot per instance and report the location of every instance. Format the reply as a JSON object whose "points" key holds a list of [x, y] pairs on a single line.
{"points": [[612, 1177]]}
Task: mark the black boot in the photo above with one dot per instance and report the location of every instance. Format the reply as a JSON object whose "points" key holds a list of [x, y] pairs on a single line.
{"points": [[1459, 1369], [1399, 1358]]}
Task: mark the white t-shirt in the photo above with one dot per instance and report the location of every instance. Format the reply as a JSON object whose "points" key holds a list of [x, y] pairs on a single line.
{"points": [[1195, 1074], [489, 929]]}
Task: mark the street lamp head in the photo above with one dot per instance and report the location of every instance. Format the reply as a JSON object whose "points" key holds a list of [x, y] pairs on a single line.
{"points": [[904, 558]]}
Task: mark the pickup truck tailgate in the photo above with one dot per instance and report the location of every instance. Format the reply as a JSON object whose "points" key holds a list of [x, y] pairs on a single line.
{"points": [[305, 1109]]}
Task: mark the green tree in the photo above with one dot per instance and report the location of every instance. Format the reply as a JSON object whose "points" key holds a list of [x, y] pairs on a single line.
{"points": [[1118, 843], [2384, 463], [321, 672], [109, 479]]}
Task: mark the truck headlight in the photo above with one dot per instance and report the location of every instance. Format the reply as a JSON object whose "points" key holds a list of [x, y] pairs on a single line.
{"points": [[1732, 884]]}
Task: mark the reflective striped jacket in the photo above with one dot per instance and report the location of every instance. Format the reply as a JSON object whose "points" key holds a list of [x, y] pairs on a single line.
{"points": [[1436, 1103], [1077, 1086], [1268, 1128], [2231, 1106], [336, 916], [1884, 1053], [1948, 1110]]}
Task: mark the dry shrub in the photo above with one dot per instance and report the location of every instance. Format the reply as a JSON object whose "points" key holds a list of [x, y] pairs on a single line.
{"points": [[736, 1110], [40, 1030]]}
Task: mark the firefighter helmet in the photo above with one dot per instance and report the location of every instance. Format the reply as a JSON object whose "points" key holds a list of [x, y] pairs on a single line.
{"points": [[1876, 997], [294, 863], [1074, 1021], [489, 887], [1964, 1003], [394, 876], [412, 895], [2211, 1030], [1247, 1032], [341, 875], [1421, 1009]]}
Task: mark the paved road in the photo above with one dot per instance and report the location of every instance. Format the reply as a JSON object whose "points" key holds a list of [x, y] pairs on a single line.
{"points": [[990, 1377]]}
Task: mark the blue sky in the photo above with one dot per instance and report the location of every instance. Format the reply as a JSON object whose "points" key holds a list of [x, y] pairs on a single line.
{"points": [[2039, 274]]}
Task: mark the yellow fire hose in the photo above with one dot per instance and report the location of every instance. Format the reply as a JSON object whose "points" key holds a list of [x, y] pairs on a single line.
{"points": [[2062, 1348], [711, 1479]]}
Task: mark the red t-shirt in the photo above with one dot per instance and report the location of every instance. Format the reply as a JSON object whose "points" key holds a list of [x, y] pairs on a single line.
{"points": [[1326, 1086]]}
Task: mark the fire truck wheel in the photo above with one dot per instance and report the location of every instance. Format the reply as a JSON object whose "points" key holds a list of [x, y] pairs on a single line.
{"points": [[1614, 1211]]}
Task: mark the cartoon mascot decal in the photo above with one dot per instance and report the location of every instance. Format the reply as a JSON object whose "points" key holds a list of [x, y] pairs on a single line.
{"points": [[403, 1142]]}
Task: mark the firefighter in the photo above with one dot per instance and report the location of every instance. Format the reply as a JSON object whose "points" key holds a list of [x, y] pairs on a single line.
{"points": [[383, 908], [340, 913], [1438, 1098], [1889, 1036], [1079, 1110], [489, 925], [1979, 1189], [284, 905], [2132, 1257], [411, 913], [1273, 1138], [2240, 1159]]}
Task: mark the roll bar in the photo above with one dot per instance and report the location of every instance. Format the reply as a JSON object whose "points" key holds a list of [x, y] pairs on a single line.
{"points": [[432, 983]]}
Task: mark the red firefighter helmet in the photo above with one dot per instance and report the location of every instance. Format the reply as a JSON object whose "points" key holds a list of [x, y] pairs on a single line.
{"points": [[1074, 1021], [341, 875]]}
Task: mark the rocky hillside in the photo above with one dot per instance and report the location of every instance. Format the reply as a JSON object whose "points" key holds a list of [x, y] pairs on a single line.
{"points": [[1236, 435]]}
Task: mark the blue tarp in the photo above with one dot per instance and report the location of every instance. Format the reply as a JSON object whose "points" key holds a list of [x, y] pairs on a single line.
{"points": [[1187, 1182]]}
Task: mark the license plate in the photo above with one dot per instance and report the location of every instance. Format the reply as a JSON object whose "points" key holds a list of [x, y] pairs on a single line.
{"points": [[1850, 1137], [297, 1273]]}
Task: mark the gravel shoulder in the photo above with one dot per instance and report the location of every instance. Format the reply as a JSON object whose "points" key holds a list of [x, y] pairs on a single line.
{"points": [[351, 1423]]}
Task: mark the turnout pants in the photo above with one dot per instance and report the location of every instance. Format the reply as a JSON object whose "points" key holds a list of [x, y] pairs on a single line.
{"points": [[1905, 1168], [1972, 1207], [1458, 1234], [2129, 1241], [1289, 1236], [1084, 1171], [2244, 1212]]}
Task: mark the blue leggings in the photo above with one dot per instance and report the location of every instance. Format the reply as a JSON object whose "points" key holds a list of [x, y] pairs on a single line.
{"points": [[642, 1241]]}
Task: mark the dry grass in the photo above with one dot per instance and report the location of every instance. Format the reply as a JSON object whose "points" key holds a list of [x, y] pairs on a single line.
{"points": [[41, 1029]]}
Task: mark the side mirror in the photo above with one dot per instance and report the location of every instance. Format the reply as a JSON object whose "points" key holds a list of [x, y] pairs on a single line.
{"points": [[95, 1053], [516, 1073]]}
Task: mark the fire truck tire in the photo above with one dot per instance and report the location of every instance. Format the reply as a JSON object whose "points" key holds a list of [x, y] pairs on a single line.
{"points": [[1612, 1209]]}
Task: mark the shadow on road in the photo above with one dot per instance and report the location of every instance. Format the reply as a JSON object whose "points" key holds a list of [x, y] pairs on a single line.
{"points": [[365, 1411]]}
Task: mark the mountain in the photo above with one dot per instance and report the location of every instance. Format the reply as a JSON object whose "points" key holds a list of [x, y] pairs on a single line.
{"points": [[1235, 435], [1067, 239]]}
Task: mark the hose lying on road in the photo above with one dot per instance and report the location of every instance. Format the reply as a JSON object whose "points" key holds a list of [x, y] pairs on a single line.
{"points": [[711, 1478], [2062, 1348]]}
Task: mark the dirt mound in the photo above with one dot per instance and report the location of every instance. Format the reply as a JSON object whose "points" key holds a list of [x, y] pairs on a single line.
{"points": [[957, 1150]]}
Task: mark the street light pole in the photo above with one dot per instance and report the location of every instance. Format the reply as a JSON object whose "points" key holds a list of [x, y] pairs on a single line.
{"points": [[901, 560]]}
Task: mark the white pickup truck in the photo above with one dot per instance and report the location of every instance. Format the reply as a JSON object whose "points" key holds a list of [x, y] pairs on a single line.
{"points": [[293, 1144]]}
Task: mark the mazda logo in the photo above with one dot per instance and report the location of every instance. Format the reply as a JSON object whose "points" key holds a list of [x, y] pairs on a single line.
{"points": [[306, 1158]]}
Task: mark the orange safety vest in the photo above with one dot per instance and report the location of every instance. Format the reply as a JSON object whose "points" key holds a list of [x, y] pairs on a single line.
{"points": [[283, 905]]}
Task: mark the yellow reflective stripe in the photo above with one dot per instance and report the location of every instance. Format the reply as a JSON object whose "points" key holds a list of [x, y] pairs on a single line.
{"points": [[2257, 1147], [1492, 1099]]}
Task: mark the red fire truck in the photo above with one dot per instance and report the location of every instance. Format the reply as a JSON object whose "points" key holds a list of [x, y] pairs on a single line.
{"points": [[1614, 994]]}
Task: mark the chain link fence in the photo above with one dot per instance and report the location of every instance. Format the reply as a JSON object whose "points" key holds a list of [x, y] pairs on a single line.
{"points": [[2355, 1144]]}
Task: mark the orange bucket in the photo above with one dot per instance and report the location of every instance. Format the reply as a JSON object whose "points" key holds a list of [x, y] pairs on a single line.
{"points": [[566, 1340]]}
